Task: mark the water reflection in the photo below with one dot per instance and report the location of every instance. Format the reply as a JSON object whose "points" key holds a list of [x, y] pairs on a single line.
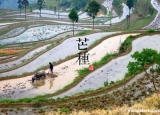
{"points": [[43, 81], [52, 77], [39, 83], [51, 83]]}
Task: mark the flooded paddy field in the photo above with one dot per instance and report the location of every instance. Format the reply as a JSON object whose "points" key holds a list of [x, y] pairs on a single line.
{"points": [[30, 37], [115, 69], [38, 33], [23, 59], [65, 72]]}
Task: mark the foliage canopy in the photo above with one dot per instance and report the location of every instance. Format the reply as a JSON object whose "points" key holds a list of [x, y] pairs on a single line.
{"points": [[73, 15], [93, 8], [143, 60]]}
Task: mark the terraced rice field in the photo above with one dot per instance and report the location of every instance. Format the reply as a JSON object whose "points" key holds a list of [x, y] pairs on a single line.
{"points": [[66, 71], [136, 89], [38, 33], [114, 70], [38, 44]]}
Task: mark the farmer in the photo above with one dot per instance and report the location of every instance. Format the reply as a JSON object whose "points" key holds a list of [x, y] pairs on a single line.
{"points": [[51, 67]]}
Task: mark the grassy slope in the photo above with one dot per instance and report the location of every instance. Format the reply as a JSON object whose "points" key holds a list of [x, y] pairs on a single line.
{"points": [[136, 22], [50, 3], [141, 22]]}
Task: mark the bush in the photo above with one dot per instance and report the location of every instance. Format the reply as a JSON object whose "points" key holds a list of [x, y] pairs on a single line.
{"points": [[126, 44], [150, 31], [106, 83], [63, 110], [118, 5]]}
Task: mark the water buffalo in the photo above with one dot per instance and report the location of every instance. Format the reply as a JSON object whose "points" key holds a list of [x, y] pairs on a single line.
{"points": [[38, 75]]}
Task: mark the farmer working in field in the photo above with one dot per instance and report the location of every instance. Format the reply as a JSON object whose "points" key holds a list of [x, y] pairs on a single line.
{"points": [[51, 67]]}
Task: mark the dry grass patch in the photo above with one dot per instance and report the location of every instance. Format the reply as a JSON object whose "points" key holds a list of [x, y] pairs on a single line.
{"points": [[150, 103], [9, 51]]}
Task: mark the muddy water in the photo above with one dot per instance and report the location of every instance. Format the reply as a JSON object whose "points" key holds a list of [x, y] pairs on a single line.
{"points": [[116, 69], [66, 71], [23, 87], [24, 58], [39, 33]]}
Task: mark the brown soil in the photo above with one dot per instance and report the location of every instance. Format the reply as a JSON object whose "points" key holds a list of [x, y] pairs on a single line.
{"points": [[9, 51]]}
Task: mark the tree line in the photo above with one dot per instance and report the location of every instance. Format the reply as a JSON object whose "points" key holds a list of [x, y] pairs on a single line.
{"points": [[92, 10], [25, 4], [77, 4]]}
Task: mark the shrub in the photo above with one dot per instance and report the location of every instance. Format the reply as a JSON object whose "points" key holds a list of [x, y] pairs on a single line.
{"points": [[106, 83], [150, 31]]}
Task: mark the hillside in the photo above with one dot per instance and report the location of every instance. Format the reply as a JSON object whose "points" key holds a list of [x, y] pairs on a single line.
{"points": [[149, 104], [11, 4]]}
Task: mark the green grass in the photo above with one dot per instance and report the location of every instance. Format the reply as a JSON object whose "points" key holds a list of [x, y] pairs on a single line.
{"points": [[142, 22], [41, 100], [87, 91], [7, 101], [84, 32], [103, 60], [30, 44], [150, 31], [63, 110], [26, 100], [49, 3], [126, 45], [135, 24], [5, 32], [2, 46]]}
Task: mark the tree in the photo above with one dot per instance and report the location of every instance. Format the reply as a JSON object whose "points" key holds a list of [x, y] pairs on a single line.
{"points": [[135, 4], [40, 5], [58, 7], [20, 5], [110, 16], [25, 3], [73, 15], [92, 9], [130, 4], [143, 60], [127, 18], [78, 4], [31, 8], [118, 5], [55, 9], [105, 11]]}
